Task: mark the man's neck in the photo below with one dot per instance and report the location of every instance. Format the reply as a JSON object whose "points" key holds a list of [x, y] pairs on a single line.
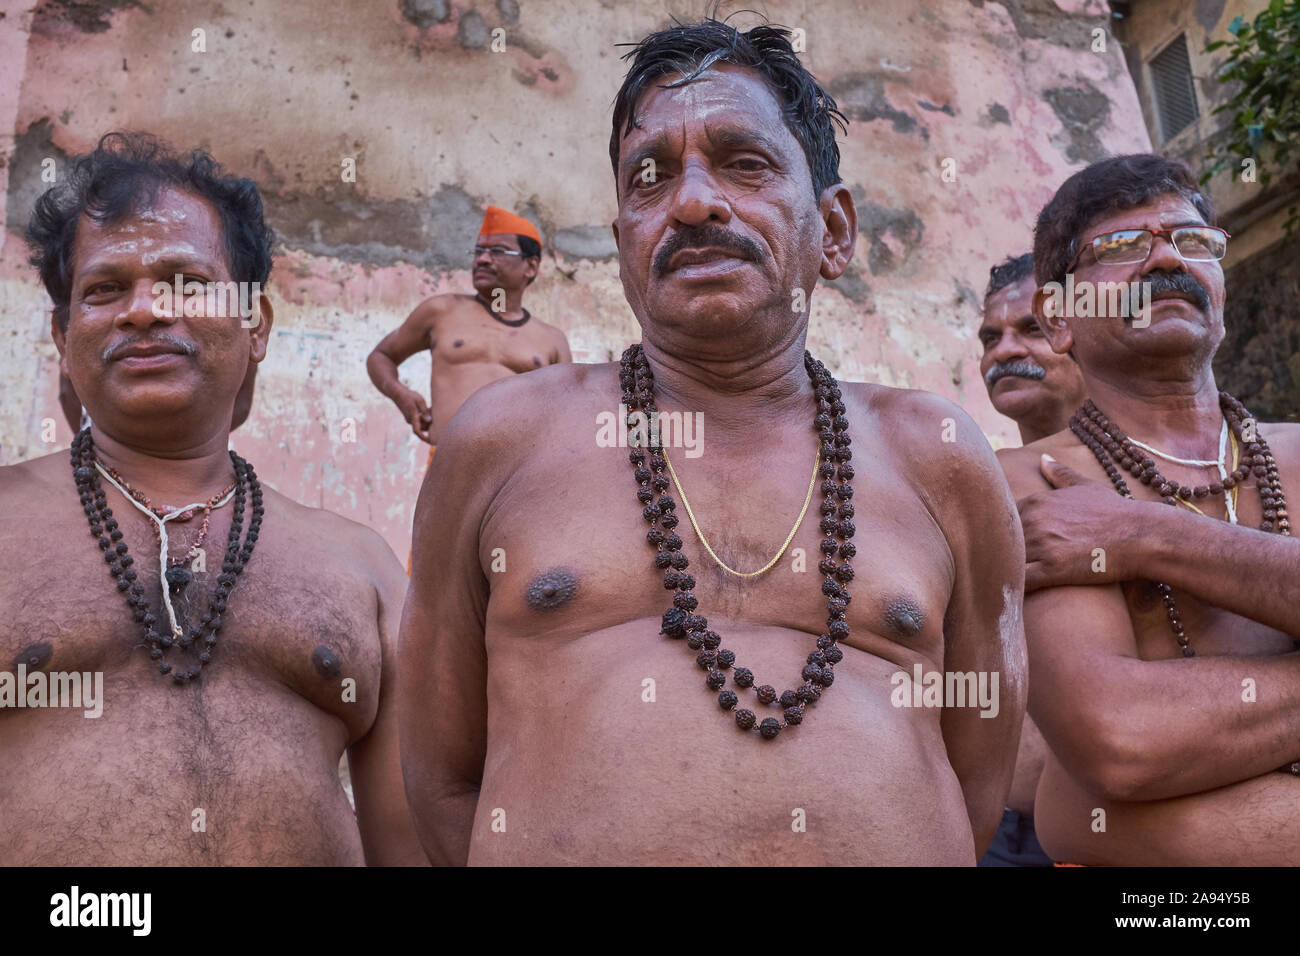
{"points": [[1049, 420], [514, 309], [745, 397], [1181, 418], [1032, 431], [176, 475]]}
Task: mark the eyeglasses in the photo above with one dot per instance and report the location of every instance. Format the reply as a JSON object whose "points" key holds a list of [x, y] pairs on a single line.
{"points": [[1126, 246], [496, 252]]}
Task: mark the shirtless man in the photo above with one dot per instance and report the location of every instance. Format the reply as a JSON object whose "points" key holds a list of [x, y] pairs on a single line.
{"points": [[236, 762], [1157, 758], [545, 718], [474, 339], [1038, 390]]}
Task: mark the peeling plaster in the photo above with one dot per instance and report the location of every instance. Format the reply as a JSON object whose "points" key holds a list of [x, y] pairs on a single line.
{"points": [[861, 97], [88, 16], [1083, 112]]}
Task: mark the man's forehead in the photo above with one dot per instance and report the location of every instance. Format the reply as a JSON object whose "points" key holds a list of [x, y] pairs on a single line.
{"points": [[507, 239], [724, 96], [173, 223], [1170, 209], [1010, 303]]}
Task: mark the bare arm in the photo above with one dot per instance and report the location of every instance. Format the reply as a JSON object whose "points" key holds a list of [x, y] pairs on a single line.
{"points": [[444, 666], [387, 830], [1131, 729], [982, 626], [412, 336], [1151, 540]]}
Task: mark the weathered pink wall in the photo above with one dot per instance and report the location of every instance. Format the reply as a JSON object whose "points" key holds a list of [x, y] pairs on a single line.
{"points": [[441, 125]]}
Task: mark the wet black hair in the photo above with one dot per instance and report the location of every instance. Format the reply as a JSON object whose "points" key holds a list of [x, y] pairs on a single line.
{"points": [[690, 49]]}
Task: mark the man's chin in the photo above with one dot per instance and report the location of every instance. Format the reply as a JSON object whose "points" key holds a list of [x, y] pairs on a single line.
{"points": [[1012, 395], [152, 400]]}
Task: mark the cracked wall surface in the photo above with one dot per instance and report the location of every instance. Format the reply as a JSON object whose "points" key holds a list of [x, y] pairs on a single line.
{"points": [[439, 124]]}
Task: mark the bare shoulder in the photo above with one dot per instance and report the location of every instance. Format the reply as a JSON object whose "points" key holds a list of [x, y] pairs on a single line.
{"points": [[1283, 440], [1022, 466], [499, 423], [939, 439], [35, 479], [434, 308], [319, 531]]}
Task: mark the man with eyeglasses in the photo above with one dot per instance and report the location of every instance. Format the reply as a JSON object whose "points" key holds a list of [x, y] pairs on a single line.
{"points": [[1163, 618], [474, 339]]}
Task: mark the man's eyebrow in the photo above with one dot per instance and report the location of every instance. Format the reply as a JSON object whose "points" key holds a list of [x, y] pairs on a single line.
{"points": [[731, 137], [654, 147], [175, 263]]}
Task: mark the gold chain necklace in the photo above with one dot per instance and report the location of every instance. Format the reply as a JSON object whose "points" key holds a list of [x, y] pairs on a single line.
{"points": [[788, 538]]}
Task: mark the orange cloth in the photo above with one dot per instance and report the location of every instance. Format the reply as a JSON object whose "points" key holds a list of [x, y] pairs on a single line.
{"points": [[432, 449], [1070, 864], [500, 222]]}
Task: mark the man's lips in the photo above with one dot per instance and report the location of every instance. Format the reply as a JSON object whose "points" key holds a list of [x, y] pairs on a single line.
{"points": [[705, 262], [144, 357], [146, 351], [1015, 378]]}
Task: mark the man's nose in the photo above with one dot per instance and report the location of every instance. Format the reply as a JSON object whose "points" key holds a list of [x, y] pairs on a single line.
{"points": [[698, 199], [1163, 257], [1009, 347], [149, 303]]}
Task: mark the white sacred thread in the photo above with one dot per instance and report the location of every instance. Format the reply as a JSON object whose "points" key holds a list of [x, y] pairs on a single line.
{"points": [[1201, 463], [162, 538]]}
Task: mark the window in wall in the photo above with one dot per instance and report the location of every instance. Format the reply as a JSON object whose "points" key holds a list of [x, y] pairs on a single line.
{"points": [[1175, 93]]}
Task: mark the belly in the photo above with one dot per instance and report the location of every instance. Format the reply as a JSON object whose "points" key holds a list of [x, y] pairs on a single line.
{"points": [[1252, 823], [584, 768], [164, 777]]}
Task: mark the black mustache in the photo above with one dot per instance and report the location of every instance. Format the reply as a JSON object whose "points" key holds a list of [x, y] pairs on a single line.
{"points": [[1019, 368], [705, 237], [1184, 282]]}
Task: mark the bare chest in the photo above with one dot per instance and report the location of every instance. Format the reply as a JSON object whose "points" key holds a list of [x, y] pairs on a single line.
{"points": [[296, 622], [469, 339], [565, 552]]}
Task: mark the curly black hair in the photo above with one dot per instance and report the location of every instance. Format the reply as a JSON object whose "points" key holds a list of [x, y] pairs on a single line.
{"points": [[123, 174]]}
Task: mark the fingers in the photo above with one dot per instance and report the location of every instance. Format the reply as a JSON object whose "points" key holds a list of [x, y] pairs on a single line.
{"points": [[1057, 474]]}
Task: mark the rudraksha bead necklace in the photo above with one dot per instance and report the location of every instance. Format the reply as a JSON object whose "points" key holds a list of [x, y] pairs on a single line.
{"points": [[680, 621], [1114, 450], [104, 527]]}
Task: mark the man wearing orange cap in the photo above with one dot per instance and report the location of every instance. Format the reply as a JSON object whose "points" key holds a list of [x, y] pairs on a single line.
{"points": [[475, 339]]}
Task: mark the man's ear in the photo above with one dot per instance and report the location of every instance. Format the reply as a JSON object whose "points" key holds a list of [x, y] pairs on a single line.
{"points": [[60, 341], [532, 267], [259, 332], [840, 235], [614, 226], [1049, 313]]}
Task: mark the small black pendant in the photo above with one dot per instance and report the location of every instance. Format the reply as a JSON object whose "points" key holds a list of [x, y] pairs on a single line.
{"points": [[178, 576]]}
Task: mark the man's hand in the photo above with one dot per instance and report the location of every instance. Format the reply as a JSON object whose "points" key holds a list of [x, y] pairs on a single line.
{"points": [[1065, 528], [416, 412]]}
